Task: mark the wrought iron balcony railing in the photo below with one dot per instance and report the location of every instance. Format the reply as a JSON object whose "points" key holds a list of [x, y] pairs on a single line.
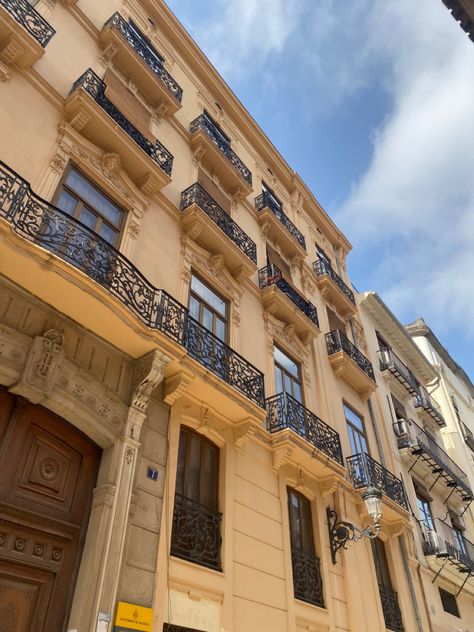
{"points": [[95, 87], [145, 50], [425, 447], [467, 435], [390, 608], [321, 267], [446, 542], [389, 361], [271, 275], [195, 194], [30, 19], [205, 124], [284, 411], [337, 341], [307, 579], [424, 400], [266, 201], [196, 534], [365, 471], [42, 223]]}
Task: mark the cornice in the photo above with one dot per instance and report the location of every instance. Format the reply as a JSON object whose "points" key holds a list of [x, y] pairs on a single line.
{"points": [[396, 332]]}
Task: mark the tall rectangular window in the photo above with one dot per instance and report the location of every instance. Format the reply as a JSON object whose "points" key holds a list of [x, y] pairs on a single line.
{"points": [[356, 431], [287, 375], [81, 199], [208, 308], [307, 580], [388, 597], [423, 501], [449, 602], [196, 519]]}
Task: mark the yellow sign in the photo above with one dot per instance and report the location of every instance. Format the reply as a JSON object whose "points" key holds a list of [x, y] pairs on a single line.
{"points": [[132, 617]]}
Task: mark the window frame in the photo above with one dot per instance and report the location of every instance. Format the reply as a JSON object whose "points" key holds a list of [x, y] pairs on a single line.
{"points": [[443, 594], [357, 431], [288, 375], [204, 304], [81, 203], [423, 498], [272, 195], [304, 505]]}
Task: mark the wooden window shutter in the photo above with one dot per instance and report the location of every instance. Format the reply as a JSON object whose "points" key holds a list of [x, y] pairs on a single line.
{"points": [[128, 104], [276, 259], [219, 196]]}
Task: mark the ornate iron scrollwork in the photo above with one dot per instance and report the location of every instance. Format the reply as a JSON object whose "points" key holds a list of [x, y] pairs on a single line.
{"points": [[146, 51], [42, 223], [266, 201], [95, 87], [195, 194], [283, 411], [30, 19], [390, 608], [203, 122], [365, 471], [323, 267], [271, 275], [196, 534], [337, 341], [307, 579]]}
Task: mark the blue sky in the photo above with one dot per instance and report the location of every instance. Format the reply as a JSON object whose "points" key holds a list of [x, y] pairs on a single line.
{"points": [[372, 103]]}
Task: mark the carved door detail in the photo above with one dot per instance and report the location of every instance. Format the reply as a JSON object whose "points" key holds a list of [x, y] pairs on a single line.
{"points": [[48, 472]]}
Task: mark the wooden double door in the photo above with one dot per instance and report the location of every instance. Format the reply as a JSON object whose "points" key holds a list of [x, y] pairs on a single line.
{"points": [[48, 471]]}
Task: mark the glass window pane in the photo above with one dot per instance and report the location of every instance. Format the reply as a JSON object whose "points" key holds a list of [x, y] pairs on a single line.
{"points": [[209, 477], [94, 197], [181, 461], [211, 298], [220, 329], [353, 418], [194, 307], [306, 526], [67, 202], [297, 391], [295, 526], [278, 380], [207, 318], [88, 218], [286, 362], [193, 465], [109, 234]]}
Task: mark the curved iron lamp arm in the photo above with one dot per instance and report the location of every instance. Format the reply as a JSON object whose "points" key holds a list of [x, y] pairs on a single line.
{"points": [[340, 533]]}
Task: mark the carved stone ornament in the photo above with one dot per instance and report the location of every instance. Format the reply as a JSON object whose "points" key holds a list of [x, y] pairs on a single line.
{"points": [[285, 335], [41, 367], [149, 372], [244, 432]]}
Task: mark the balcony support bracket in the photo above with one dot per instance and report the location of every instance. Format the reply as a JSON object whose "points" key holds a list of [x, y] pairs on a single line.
{"points": [[469, 574], [439, 571]]}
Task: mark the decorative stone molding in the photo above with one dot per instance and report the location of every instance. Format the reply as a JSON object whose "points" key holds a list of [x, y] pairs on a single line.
{"points": [[285, 336], [244, 432], [328, 486], [5, 72], [281, 455], [41, 367], [177, 385]]}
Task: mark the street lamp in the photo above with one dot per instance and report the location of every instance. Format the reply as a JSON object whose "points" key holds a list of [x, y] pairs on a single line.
{"points": [[341, 532]]}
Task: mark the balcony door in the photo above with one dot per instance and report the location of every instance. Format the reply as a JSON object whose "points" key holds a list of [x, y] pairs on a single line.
{"points": [[356, 431], [287, 375], [388, 598], [196, 520]]}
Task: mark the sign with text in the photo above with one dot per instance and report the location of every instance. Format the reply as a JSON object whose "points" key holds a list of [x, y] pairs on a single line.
{"points": [[132, 617]]}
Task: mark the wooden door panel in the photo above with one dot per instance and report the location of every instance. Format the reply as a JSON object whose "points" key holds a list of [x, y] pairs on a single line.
{"points": [[48, 473]]}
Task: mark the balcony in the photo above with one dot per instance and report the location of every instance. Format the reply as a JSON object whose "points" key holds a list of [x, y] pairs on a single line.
{"points": [[196, 534], [49, 228], [280, 299], [350, 364], [24, 33], [365, 471], [217, 153], [207, 223], [428, 404], [390, 362], [449, 554], [92, 114], [138, 59], [431, 459], [284, 413], [279, 227], [390, 608], [333, 288], [307, 579], [468, 436]]}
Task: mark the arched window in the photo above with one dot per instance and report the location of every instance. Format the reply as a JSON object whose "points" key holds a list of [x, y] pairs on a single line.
{"points": [[196, 520]]}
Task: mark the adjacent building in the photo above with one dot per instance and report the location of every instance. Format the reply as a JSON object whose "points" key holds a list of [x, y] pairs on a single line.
{"points": [[194, 419]]}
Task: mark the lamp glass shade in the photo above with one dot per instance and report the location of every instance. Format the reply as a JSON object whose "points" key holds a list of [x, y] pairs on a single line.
{"points": [[373, 502]]}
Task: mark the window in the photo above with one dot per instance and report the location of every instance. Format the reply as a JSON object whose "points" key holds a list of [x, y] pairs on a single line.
{"points": [[356, 431], [287, 375], [388, 598], [307, 580], [399, 408], [273, 198], [335, 323], [196, 520], [81, 199], [151, 50], [273, 258], [423, 500], [322, 256], [383, 344], [449, 602], [208, 308]]}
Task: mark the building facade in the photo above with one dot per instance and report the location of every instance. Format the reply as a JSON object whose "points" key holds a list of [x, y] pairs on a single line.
{"points": [[189, 415]]}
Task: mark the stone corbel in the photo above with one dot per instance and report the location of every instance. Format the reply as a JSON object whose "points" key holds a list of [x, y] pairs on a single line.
{"points": [[281, 456], [244, 432], [148, 373], [5, 72], [108, 54], [198, 155], [238, 194], [328, 486], [159, 112], [177, 385], [302, 487], [41, 367]]}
